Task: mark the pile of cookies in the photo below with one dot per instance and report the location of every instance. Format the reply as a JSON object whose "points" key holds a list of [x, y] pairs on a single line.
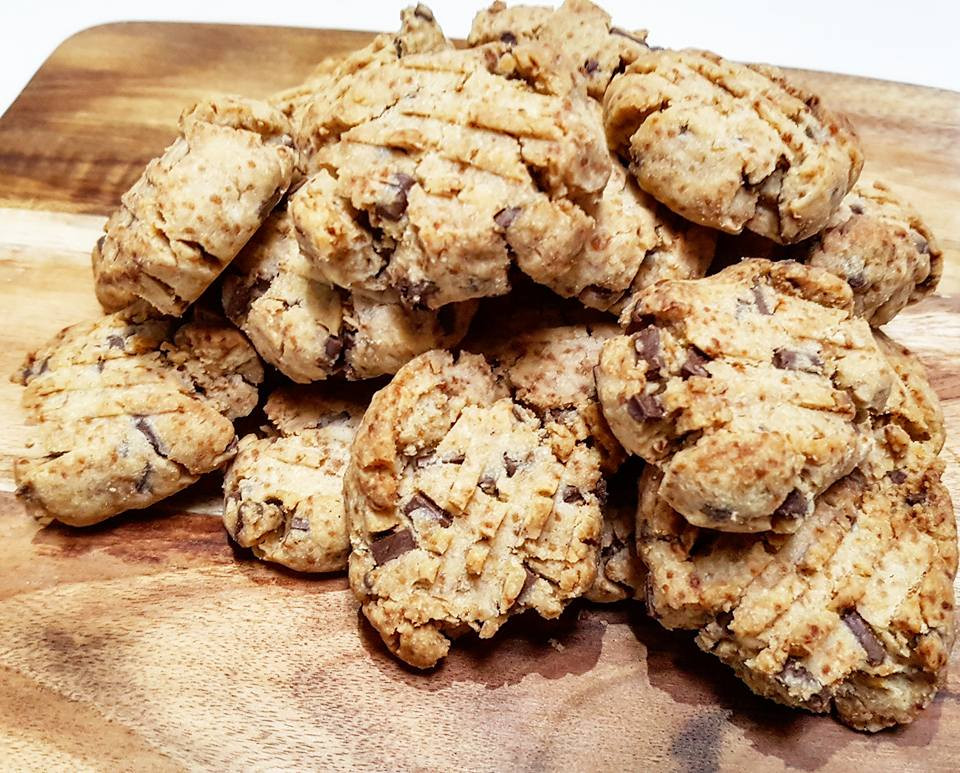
{"points": [[425, 250]]}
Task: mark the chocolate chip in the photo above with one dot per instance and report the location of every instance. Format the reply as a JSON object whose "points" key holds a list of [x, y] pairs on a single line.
{"points": [[647, 344], [299, 524], [856, 208], [795, 675], [694, 365], [333, 347], [510, 465], [505, 217], [591, 66], [865, 635], [897, 476], [790, 359], [421, 503], [394, 207], [509, 38], [639, 321], [115, 342], [794, 506], [392, 544], [143, 426], [761, 302], [454, 458], [423, 460], [916, 497], [856, 281], [488, 485], [572, 495], [644, 408], [100, 242], [719, 514], [600, 492], [143, 482]]}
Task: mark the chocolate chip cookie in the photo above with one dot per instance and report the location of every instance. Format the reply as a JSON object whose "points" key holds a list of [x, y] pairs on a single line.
{"points": [[283, 493], [884, 251], [128, 410], [754, 389], [453, 165], [310, 330], [578, 28], [194, 207], [853, 612], [463, 510], [731, 146]]}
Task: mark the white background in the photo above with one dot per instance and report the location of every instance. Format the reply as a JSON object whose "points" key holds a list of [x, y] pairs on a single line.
{"points": [[916, 41]]}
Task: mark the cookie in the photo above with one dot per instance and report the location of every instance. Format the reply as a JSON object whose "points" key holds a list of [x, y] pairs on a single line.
{"points": [[283, 493], [453, 165], [310, 330], [852, 613], [731, 146], [753, 389], [578, 28], [127, 410], [194, 207], [884, 251], [462, 511]]}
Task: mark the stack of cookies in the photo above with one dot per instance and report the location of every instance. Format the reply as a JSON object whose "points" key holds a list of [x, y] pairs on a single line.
{"points": [[509, 367]]}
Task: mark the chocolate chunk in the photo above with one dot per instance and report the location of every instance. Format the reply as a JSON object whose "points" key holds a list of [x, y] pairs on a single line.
{"points": [[509, 38], [421, 503], [143, 482], [115, 342], [394, 207], [143, 426], [488, 485], [647, 344], [600, 492], [510, 465], [865, 635], [790, 359], [403, 181], [629, 36], [333, 347], [794, 506], [299, 524], [454, 458], [100, 242], [423, 460], [639, 321], [856, 208], [505, 217], [644, 408], [916, 497], [897, 476], [856, 281], [694, 365], [572, 495], [761, 302], [591, 66], [718, 514], [392, 544], [796, 676]]}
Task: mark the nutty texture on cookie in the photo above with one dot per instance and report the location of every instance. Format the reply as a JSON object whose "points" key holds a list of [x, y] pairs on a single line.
{"points": [[463, 509], [310, 330], [579, 29], [884, 251], [753, 389], [853, 611], [194, 207], [731, 146], [128, 410], [283, 493], [452, 166]]}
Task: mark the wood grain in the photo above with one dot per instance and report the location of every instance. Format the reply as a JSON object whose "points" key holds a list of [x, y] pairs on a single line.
{"points": [[149, 643]]}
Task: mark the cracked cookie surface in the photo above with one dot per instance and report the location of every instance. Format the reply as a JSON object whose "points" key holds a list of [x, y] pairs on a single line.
{"points": [[283, 493], [310, 330], [580, 30], [731, 146], [453, 165], [754, 389], [462, 511], [128, 410], [194, 207], [852, 612]]}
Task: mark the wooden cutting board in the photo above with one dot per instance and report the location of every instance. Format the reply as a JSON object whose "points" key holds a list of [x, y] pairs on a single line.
{"points": [[148, 643]]}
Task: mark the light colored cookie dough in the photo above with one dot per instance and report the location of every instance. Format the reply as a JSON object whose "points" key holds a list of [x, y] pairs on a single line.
{"points": [[579, 29], [884, 251], [754, 390], [283, 493], [462, 511], [194, 207], [731, 146], [128, 410], [310, 330], [453, 166]]}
